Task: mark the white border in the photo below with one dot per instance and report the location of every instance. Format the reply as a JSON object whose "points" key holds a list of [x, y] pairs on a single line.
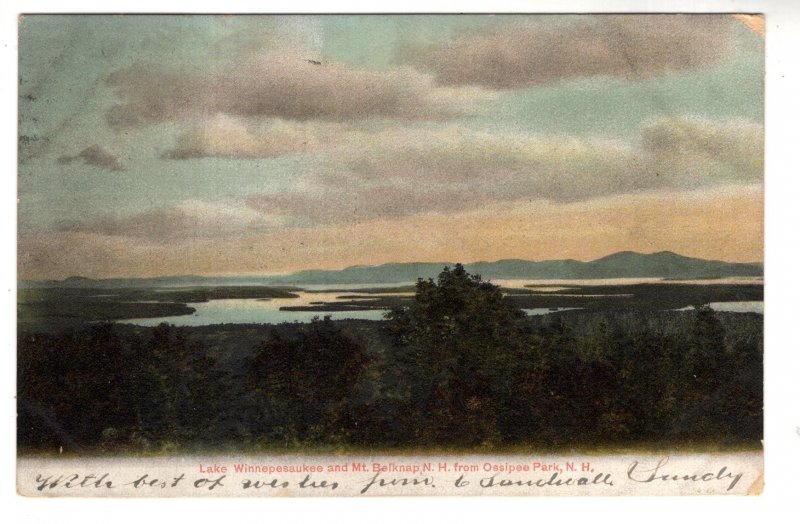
{"points": [[782, 428]]}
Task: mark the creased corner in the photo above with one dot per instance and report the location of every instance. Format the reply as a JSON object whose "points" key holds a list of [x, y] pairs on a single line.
{"points": [[757, 487]]}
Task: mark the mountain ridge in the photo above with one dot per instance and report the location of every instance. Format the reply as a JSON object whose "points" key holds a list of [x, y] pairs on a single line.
{"points": [[622, 264]]}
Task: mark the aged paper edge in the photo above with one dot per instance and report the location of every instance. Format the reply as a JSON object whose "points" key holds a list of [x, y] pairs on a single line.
{"points": [[630, 474]]}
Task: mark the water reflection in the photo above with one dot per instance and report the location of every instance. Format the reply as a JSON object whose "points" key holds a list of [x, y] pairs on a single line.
{"points": [[258, 311], [744, 306]]}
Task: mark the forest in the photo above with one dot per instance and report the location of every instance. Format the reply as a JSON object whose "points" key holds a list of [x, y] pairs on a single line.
{"points": [[458, 367]]}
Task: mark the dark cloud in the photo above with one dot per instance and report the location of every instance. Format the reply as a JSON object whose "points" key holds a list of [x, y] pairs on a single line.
{"points": [[735, 150], [287, 86], [182, 222], [624, 46], [94, 156]]}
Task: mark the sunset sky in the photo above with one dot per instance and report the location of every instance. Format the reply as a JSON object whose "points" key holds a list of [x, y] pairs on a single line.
{"points": [[168, 145]]}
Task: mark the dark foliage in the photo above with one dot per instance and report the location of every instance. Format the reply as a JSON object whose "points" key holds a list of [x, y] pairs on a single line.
{"points": [[460, 366], [93, 389], [303, 387]]}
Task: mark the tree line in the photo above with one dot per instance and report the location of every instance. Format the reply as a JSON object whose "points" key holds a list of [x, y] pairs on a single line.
{"points": [[460, 367]]}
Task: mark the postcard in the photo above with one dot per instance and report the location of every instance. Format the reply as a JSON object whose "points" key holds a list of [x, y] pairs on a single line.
{"points": [[390, 255]]}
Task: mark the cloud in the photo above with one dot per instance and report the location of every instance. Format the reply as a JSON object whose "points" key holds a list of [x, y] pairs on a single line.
{"points": [[727, 151], [726, 225], [185, 221], [94, 156], [284, 85], [224, 136], [625, 46], [402, 172], [739, 143], [454, 169], [358, 205]]}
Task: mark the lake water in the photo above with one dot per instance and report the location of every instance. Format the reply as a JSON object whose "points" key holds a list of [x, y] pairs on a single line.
{"points": [[744, 306], [546, 310], [325, 287], [267, 311], [558, 285], [261, 311]]}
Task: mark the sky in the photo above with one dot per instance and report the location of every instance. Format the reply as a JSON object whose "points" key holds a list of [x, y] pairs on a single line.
{"points": [[221, 145]]}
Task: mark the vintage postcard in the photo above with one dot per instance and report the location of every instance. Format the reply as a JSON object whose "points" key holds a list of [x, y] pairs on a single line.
{"points": [[390, 255]]}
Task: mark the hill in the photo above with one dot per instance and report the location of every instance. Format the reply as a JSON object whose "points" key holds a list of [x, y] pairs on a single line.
{"points": [[624, 264]]}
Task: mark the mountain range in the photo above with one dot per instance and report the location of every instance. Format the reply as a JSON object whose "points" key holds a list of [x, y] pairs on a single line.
{"points": [[624, 264]]}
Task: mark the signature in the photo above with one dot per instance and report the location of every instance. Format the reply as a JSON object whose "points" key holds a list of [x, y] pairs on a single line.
{"points": [[659, 474]]}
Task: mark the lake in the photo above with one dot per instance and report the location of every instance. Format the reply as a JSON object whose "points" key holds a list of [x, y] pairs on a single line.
{"points": [[546, 310], [268, 311], [259, 311], [744, 306], [561, 284]]}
